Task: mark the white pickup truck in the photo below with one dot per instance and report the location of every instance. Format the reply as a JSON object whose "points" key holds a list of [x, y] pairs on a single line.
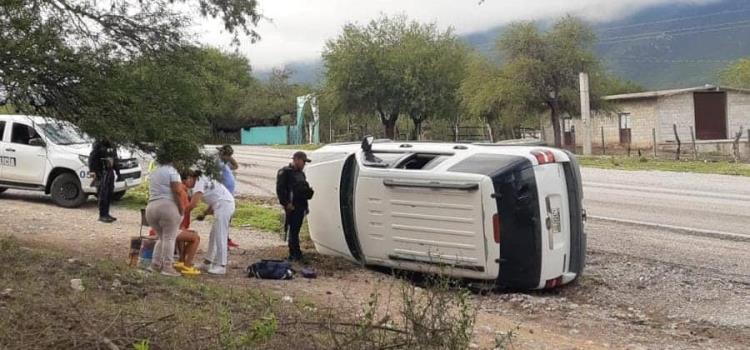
{"points": [[43, 154]]}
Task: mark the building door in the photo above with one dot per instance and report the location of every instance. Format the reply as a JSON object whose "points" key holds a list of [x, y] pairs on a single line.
{"points": [[710, 115], [569, 133], [625, 133]]}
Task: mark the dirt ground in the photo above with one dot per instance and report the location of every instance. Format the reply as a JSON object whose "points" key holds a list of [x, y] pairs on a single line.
{"points": [[634, 295]]}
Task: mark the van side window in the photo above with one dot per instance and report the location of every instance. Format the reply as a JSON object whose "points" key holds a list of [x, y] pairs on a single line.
{"points": [[2, 130], [382, 159], [421, 161], [21, 134]]}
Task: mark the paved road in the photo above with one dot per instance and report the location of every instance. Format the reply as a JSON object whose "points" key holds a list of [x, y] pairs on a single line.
{"points": [[704, 203], [712, 203]]}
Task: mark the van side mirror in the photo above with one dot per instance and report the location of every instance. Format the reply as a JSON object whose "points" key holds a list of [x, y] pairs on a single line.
{"points": [[37, 141], [367, 144]]}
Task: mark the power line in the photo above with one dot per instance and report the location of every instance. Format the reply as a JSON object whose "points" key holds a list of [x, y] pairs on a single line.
{"points": [[657, 60], [679, 32], [674, 31], [672, 20]]}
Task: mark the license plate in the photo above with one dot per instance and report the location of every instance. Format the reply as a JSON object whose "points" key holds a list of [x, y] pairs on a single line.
{"points": [[554, 218], [129, 182]]}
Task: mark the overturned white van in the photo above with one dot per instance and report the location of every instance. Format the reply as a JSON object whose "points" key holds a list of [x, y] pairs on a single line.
{"points": [[508, 214]]}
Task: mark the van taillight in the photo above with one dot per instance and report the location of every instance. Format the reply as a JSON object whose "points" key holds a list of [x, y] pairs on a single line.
{"points": [[543, 156], [496, 227], [555, 282]]}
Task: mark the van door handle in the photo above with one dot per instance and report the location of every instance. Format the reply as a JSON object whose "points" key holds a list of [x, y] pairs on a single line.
{"points": [[431, 184], [9, 150]]}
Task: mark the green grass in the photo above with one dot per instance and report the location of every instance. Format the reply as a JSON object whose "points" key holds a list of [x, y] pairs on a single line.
{"points": [[248, 213], [305, 147], [136, 198], [690, 166], [257, 216]]}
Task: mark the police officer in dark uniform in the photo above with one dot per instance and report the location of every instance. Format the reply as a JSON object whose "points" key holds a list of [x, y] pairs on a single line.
{"points": [[293, 192], [105, 170]]}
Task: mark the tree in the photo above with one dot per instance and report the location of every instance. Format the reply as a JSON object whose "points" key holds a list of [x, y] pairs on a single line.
{"points": [[548, 64], [58, 57], [360, 68], [394, 66], [265, 102], [434, 66], [490, 94], [737, 74]]}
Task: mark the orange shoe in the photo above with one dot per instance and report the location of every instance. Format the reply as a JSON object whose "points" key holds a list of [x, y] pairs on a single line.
{"points": [[231, 244]]}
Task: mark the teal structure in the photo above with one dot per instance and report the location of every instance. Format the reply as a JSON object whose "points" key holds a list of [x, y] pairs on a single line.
{"points": [[265, 135], [287, 134]]}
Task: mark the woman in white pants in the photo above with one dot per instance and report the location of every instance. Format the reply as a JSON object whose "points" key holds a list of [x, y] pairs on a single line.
{"points": [[221, 203], [163, 214]]}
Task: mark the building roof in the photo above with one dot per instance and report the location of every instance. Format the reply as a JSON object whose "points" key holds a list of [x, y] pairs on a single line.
{"points": [[664, 93]]}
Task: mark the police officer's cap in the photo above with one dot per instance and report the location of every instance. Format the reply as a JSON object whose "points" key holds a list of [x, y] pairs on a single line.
{"points": [[301, 155]]}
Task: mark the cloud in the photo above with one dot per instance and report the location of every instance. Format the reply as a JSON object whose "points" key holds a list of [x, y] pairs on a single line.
{"points": [[298, 29]]}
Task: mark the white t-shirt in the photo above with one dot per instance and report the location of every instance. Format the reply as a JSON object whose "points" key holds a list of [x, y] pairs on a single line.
{"points": [[159, 186], [213, 191]]}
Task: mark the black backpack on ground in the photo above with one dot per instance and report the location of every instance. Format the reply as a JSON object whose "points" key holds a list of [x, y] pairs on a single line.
{"points": [[271, 269]]}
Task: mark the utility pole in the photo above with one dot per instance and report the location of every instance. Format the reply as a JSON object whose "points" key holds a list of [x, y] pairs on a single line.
{"points": [[585, 113]]}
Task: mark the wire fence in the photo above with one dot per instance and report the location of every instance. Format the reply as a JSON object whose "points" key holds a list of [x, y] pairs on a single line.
{"points": [[677, 142]]}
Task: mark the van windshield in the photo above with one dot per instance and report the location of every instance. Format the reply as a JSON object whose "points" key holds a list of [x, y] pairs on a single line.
{"points": [[64, 134]]}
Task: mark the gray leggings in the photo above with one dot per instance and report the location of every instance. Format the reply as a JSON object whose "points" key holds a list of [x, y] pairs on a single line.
{"points": [[164, 217]]}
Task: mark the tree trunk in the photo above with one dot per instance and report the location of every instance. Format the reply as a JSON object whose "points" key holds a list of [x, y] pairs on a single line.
{"points": [[417, 132], [389, 125], [555, 119]]}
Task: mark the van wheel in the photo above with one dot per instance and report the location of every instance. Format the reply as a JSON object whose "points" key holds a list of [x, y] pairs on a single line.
{"points": [[66, 191], [118, 195]]}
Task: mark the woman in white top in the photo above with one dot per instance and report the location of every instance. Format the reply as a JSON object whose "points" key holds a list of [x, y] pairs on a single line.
{"points": [[164, 214], [221, 203]]}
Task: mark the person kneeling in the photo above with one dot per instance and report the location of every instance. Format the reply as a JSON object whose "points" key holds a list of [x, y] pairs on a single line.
{"points": [[221, 204]]}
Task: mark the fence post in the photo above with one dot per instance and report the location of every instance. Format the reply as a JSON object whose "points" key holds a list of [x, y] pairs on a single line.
{"points": [[695, 149], [679, 144], [736, 146], [604, 147], [653, 134]]}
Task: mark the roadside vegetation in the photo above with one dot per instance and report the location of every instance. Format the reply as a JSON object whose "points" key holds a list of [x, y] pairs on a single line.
{"points": [[305, 147], [691, 166], [49, 300]]}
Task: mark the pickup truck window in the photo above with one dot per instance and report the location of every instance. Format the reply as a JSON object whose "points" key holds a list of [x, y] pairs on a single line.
{"points": [[2, 130], [21, 134]]}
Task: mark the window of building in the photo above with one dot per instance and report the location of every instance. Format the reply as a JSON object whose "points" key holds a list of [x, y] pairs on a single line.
{"points": [[625, 133], [568, 125], [624, 120]]}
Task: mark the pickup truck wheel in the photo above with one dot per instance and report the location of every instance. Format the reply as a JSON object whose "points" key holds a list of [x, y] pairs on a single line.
{"points": [[66, 191], [118, 195]]}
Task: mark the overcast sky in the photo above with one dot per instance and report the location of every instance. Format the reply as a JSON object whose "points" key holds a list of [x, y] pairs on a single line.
{"points": [[298, 29]]}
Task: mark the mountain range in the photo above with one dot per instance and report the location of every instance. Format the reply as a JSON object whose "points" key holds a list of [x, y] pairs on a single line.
{"points": [[665, 46]]}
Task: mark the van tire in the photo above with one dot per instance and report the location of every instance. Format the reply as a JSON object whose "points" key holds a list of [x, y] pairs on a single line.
{"points": [[118, 195], [66, 191]]}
